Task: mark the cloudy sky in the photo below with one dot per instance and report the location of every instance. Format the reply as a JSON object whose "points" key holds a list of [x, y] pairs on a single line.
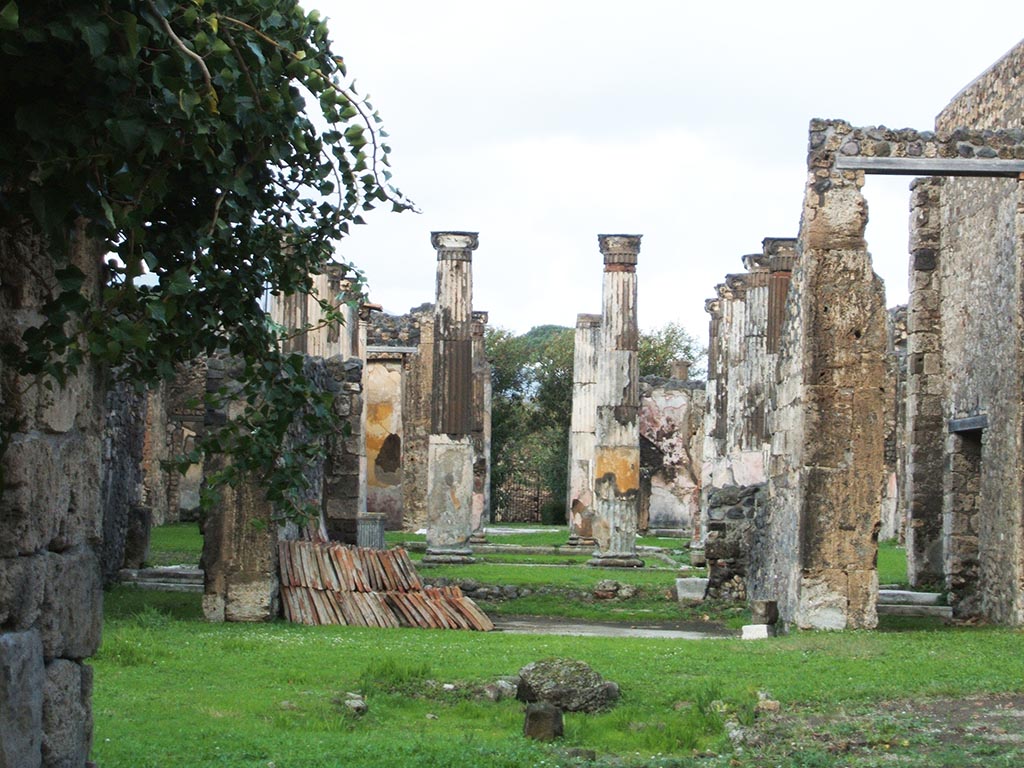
{"points": [[542, 124]]}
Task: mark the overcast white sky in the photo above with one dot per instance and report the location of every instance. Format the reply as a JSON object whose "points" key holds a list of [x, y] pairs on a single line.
{"points": [[542, 124]]}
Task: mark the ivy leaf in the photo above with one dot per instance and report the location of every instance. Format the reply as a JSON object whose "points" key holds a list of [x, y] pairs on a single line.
{"points": [[131, 32], [95, 34], [9, 17]]}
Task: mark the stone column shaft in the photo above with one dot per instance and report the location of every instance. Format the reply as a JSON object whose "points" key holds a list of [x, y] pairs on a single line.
{"points": [[481, 407], [582, 430], [450, 476], [617, 453]]}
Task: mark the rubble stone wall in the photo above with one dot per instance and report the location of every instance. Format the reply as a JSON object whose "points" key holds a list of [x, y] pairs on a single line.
{"points": [[733, 516], [51, 536]]}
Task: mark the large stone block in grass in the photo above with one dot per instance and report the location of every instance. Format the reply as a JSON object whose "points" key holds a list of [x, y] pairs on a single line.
{"points": [[568, 684]]}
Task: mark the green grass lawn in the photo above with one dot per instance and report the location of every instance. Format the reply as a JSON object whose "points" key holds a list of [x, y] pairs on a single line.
{"points": [[892, 563], [175, 544], [171, 690]]}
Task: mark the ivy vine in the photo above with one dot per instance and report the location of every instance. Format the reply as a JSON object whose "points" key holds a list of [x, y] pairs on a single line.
{"points": [[217, 147]]}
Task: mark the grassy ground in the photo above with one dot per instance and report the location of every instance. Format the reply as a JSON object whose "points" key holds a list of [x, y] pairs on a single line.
{"points": [[175, 544], [892, 564], [171, 690]]}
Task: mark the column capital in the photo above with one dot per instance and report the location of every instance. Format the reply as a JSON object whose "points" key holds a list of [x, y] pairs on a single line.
{"points": [[713, 306], [458, 246], [588, 321], [756, 262], [619, 249]]}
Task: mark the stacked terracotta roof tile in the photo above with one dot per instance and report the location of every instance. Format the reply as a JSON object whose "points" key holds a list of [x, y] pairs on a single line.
{"points": [[329, 583]]}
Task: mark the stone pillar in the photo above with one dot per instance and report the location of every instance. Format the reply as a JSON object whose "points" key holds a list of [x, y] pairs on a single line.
{"points": [[240, 581], [712, 444], [582, 430], [925, 436], [617, 452], [827, 464], [481, 432], [344, 482], [450, 457]]}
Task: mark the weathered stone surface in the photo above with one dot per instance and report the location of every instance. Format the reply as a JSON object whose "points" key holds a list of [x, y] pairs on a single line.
{"points": [[120, 491], [67, 716], [568, 684], [22, 588], [70, 619], [691, 590], [827, 466], [136, 543], [671, 449], [22, 675], [583, 430], [617, 427], [543, 722], [451, 452]]}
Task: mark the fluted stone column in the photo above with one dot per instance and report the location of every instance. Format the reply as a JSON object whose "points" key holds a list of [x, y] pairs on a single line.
{"points": [[450, 452], [582, 430], [617, 453], [481, 431]]}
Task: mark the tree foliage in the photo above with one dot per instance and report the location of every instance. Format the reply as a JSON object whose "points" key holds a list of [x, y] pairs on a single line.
{"points": [[658, 348], [185, 134]]}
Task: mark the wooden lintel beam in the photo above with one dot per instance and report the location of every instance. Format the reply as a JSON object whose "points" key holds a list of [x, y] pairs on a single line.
{"points": [[969, 424], [932, 166]]}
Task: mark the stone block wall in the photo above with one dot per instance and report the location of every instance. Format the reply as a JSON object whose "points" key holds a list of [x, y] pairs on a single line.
{"points": [[671, 445], [982, 298], [51, 537]]}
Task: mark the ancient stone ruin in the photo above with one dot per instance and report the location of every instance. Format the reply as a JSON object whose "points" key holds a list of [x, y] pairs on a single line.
{"points": [[827, 421]]}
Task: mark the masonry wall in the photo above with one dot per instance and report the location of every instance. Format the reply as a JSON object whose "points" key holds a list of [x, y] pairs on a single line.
{"points": [[671, 445], [384, 437], [50, 586], [982, 330]]}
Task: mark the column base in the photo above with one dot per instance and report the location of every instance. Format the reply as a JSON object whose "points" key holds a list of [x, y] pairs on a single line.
{"points": [[452, 556], [624, 560], [580, 541], [478, 538]]}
